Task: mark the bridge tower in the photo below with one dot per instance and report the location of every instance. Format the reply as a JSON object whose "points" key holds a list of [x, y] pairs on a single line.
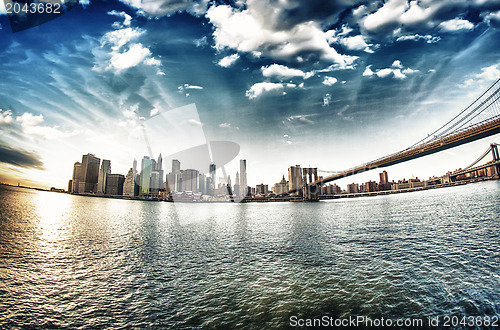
{"points": [[310, 192], [496, 157]]}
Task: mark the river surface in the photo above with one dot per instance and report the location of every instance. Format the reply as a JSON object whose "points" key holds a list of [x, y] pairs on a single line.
{"points": [[82, 262]]}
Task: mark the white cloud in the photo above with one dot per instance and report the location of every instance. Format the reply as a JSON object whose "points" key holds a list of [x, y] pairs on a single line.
{"points": [[493, 18], [225, 125], [189, 87], [30, 125], [356, 43], [195, 122], [397, 64], [130, 58], [456, 24], [120, 50], [127, 19], [168, 7], [368, 71], [329, 81], [6, 117], [266, 87], [282, 71], [390, 12], [416, 37], [228, 60], [488, 75], [396, 70], [245, 31], [119, 38]]}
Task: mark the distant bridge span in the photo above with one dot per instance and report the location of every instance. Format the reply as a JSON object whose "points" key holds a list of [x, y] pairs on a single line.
{"points": [[477, 121]]}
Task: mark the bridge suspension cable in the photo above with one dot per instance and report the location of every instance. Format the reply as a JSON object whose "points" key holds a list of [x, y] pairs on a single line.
{"points": [[487, 151], [485, 107]]}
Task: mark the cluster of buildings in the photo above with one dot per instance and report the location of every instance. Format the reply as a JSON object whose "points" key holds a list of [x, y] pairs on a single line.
{"points": [[93, 176]]}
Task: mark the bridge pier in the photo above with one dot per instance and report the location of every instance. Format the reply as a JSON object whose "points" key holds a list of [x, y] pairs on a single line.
{"points": [[310, 192], [496, 157]]}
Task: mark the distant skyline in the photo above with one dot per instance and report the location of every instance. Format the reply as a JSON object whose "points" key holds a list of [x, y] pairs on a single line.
{"points": [[326, 84]]}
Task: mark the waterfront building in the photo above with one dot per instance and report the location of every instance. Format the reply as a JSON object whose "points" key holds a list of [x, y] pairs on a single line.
{"points": [[370, 186], [190, 180], [103, 172], [88, 174], [130, 187], [281, 187], [75, 181], [294, 177], [261, 189], [243, 178], [212, 169], [146, 171], [352, 188], [114, 184]]}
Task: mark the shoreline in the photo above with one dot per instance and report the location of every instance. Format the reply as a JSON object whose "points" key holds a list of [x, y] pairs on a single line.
{"points": [[292, 199]]}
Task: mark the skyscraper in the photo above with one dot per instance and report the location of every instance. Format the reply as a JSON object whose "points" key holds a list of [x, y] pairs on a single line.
{"points": [[212, 171], [114, 184], [76, 177], [103, 172], [243, 178], [89, 174], [190, 180], [146, 170], [176, 166], [129, 186]]}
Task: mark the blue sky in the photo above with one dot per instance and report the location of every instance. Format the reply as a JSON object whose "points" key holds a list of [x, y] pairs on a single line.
{"points": [[329, 84]]}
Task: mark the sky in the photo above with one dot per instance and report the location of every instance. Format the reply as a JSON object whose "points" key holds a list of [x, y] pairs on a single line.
{"points": [[320, 83]]}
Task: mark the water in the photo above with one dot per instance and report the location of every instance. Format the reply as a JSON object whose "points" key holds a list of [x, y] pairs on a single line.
{"points": [[79, 262]]}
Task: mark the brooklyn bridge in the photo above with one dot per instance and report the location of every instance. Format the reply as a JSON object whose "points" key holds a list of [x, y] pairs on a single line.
{"points": [[479, 120]]}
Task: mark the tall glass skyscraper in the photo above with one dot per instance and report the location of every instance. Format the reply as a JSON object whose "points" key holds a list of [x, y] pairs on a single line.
{"points": [[146, 170]]}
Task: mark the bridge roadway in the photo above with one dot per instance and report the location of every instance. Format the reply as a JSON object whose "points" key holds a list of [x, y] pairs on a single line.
{"points": [[471, 133]]}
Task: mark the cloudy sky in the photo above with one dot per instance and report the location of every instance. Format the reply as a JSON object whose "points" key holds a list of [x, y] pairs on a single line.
{"points": [[322, 83]]}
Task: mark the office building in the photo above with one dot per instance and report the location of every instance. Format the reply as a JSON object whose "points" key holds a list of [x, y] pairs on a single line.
{"points": [[243, 178], [75, 181], [190, 180], [130, 187], [103, 172], [89, 174], [146, 171], [114, 184]]}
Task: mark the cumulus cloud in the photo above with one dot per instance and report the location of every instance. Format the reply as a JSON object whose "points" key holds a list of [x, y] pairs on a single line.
{"points": [[160, 8], [121, 49], [329, 81], [227, 61], [267, 87], [282, 71], [395, 18], [247, 31], [488, 74], [396, 71], [356, 43], [455, 25]]}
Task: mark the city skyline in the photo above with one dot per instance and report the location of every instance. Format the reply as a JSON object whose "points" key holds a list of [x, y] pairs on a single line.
{"points": [[358, 80]]}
